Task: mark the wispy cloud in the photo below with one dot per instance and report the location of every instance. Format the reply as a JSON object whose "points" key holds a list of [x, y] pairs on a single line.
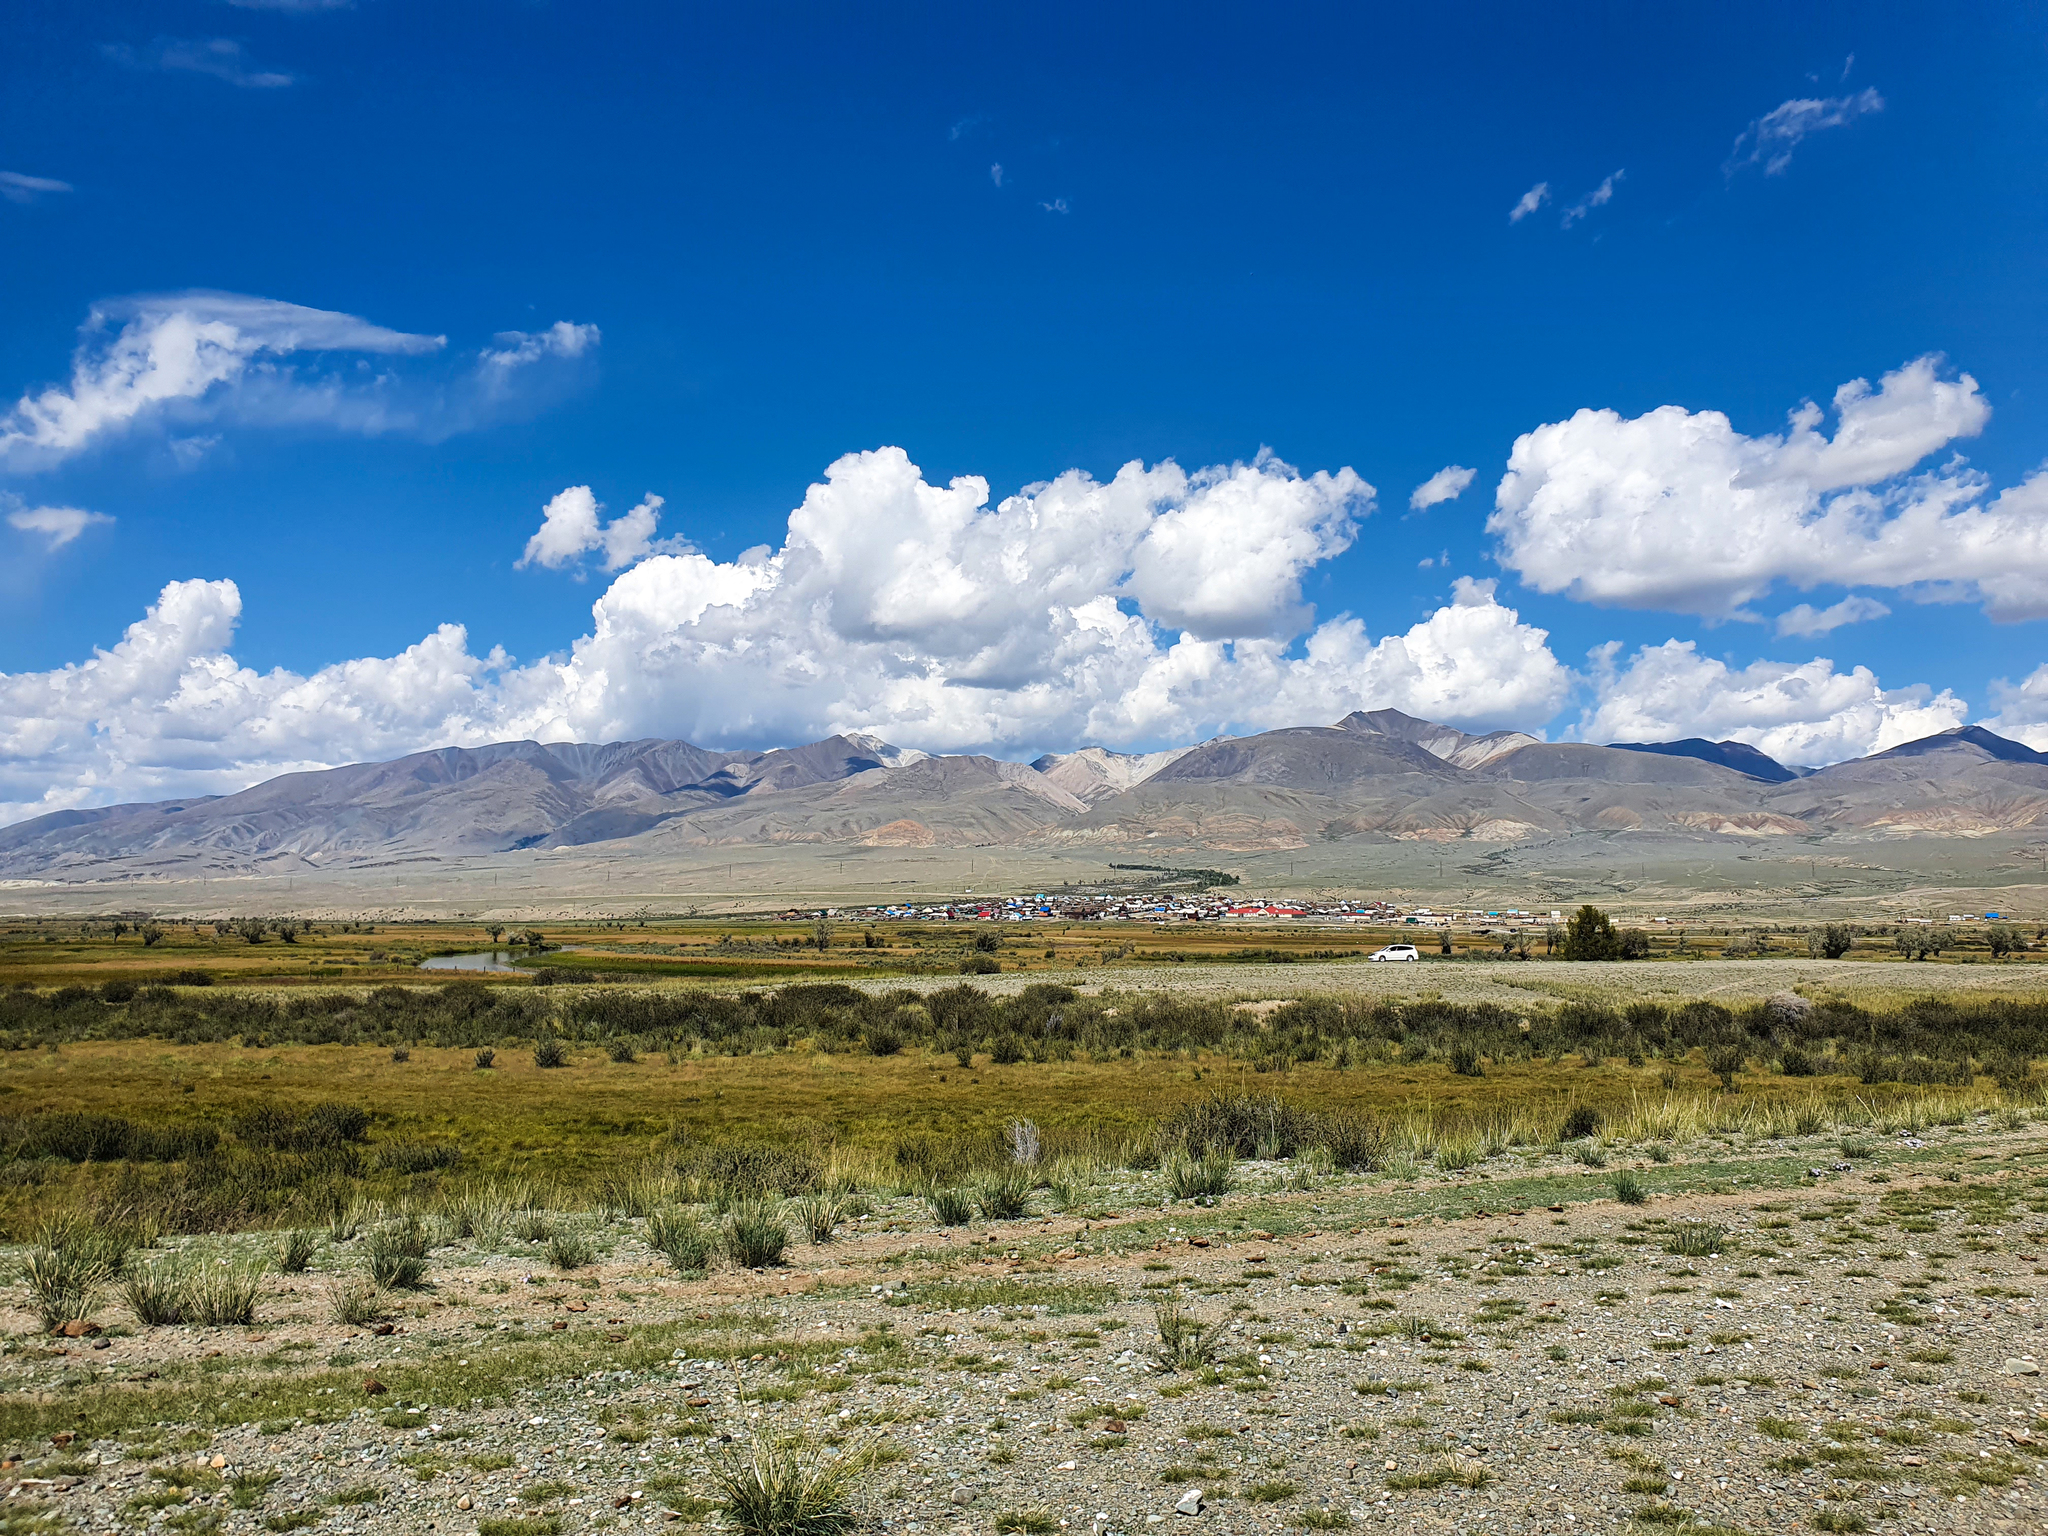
{"points": [[1807, 620], [221, 57], [967, 125], [17, 188], [1447, 484], [183, 359], [1599, 197], [995, 173], [1770, 140], [1531, 200], [1057, 205], [59, 525]]}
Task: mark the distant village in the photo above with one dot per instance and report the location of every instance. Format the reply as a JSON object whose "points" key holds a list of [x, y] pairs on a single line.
{"points": [[1153, 907]]}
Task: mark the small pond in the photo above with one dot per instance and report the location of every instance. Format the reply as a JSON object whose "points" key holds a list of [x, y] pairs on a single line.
{"points": [[482, 960]]}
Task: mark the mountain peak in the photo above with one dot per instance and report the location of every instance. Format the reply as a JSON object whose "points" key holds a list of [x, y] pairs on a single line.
{"points": [[1443, 741], [1739, 755], [1990, 743]]}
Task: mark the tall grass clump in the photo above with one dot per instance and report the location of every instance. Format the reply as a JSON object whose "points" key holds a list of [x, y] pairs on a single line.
{"points": [[788, 1487], [637, 1192], [1458, 1150], [71, 1261], [1242, 1124], [1004, 1197], [397, 1254], [295, 1249], [950, 1207], [223, 1292], [158, 1292], [345, 1220], [819, 1214], [63, 1284], [1186, 1343], [1200, 1177], [1697, 1239], [1581, 1120], [1628, 1189], [678, 1236], [755, 1236], [570, 1249], [1356, 1143], [356, 1303]]}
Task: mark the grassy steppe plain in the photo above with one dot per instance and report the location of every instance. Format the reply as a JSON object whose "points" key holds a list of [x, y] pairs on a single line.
{"points": [[548, 1310]]}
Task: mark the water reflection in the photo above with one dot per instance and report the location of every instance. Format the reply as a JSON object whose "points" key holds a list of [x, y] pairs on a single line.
{"points": [[482, 960]]}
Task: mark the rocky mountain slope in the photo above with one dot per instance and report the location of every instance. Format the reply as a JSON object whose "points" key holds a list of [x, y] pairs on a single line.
{"points": [[1378, 775]]}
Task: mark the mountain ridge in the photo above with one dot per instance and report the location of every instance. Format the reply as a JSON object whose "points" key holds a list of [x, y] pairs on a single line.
{"points": [[1373, 775]]}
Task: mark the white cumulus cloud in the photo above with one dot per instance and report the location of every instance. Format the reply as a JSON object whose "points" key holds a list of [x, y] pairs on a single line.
{"points": [[58, 525], [1447, 484], [1529, 202], [2022, 708], [1805, 713], [1157, 607], [168, 711], [1807, 620], [1677, 510], [570, 528], [1770, 139], [182, 358]]}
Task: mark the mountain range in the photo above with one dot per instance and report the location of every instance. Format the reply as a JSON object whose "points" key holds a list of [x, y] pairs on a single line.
{"points": [[1373, 776]]}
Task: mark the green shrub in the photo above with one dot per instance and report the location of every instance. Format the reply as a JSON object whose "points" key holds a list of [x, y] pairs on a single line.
{"points": [[550, 1052], [1589, 935], [1242, 1124], [1628, 1189]]}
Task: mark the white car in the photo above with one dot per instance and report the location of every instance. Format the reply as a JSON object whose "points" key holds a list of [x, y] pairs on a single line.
{"points": [[1398, 952]]}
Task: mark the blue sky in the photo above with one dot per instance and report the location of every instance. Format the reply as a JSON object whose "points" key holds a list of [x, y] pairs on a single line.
{"points": [[1213, 230]]}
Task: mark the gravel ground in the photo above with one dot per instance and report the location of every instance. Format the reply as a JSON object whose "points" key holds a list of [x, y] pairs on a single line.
{"points": [[1511, 1350], [1516, 983]]}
